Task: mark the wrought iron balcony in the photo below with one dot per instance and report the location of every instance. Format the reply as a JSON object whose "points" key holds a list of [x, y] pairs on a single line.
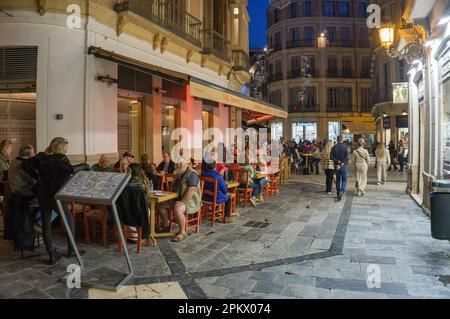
{"points": [[339, 108], [346, 74], [167, 14], [305, 43], [215, 43], [240, 60], [303, 108], [298, 74], [278, 76]]}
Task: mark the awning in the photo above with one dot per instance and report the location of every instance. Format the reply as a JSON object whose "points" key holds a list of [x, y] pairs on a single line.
{"points": [[210, 91], [360, 127]]}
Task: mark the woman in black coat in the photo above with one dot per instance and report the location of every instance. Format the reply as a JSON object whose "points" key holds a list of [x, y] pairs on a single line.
{"points": [[51, 169]]}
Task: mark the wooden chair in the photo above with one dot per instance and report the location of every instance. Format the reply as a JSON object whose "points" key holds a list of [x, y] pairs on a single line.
{"points": [[167, 182], [96, 217], [191, 220], [274, 184], [217, 211], [127, 233], [242, 177], [76, 210]]}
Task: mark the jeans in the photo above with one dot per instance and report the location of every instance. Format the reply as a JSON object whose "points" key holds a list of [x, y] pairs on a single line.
{"points": [[329, 179], [341, 179], [261, 183], [255, 188], [401, 161], [315, 162], [46, 213]]}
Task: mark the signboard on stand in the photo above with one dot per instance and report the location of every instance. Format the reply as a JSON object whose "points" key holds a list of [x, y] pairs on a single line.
{"points": [[96, 188]]}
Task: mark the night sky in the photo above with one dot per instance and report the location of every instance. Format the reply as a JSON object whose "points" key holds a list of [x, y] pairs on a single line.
{"points": [[257, 11]]}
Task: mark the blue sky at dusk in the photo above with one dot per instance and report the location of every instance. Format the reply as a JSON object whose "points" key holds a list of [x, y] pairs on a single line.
{"points": [[257, 12]]}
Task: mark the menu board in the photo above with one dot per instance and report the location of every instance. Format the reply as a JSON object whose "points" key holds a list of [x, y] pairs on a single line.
{"points": [[88, 185]]}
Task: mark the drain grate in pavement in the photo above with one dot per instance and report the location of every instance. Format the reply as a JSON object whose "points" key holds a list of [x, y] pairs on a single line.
{"points": [[255, 224]]}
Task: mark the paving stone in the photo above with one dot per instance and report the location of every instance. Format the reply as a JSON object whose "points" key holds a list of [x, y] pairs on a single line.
{"points": [[359, 285], [33, 294]]}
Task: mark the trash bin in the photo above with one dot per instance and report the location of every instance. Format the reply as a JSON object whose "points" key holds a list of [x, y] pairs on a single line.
{"points": [[440, 210]]}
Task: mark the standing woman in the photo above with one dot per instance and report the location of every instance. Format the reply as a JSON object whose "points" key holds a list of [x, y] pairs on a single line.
{"points": [[5, 154], [52, 169], [383, 162], [328, 166], [361, 160]]}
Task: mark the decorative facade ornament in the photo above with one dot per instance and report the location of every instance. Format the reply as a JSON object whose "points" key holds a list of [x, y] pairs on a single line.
{"points": [[164, 43], [204, 60], [189, 55], [156, 41], [42, 7], [121, 22]]}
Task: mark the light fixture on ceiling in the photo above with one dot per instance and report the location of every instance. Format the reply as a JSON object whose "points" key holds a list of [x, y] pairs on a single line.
{"points": [[384, 114], [404, 113]]}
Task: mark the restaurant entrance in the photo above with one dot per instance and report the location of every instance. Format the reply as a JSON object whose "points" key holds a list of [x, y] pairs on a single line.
{"points": [[130, 126]]}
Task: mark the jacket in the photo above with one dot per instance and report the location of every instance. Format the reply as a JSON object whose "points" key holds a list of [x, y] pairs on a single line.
{"points": [[222, 195], [51, 172], [326, 161], [383, 155], [171, 169], [4, 166], [361, 155], [251, 173], [133, 209], [339, 154], [19, 180]]}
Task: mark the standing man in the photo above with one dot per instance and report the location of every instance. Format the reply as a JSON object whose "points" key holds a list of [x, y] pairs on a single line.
{"points": [[401, 155], [392, 154], [339, 155]]}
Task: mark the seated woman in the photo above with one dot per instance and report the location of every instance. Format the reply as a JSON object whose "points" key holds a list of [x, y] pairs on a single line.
{"points": [[149, 171], [251, 184], [103, 165], [222, 196]]}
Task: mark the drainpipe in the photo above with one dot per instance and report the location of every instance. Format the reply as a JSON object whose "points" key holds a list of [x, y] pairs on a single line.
{"points": [[86, 85]]}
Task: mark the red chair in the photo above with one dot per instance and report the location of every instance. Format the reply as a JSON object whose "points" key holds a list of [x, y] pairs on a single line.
{"points": [[127, 233], [167, 181], [96, 217], [217, 211], [191, 220], [242, 177]]}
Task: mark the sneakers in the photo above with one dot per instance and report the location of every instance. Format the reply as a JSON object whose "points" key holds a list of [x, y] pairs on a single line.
{"points": [[378, 184], [54, 257], [253, 201], [328, 193]]}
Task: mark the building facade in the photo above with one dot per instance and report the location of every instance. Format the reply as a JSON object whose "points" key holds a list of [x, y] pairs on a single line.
{"points": [[391, 82], [113, 76], [319, 62], [429, 103]]}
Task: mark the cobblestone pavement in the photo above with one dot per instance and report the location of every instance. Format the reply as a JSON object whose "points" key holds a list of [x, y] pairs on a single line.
{"points": [[310, 247]]}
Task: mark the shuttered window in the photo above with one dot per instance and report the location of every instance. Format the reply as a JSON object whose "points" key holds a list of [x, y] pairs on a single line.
{"points": [[133, 80], [18, 64]]}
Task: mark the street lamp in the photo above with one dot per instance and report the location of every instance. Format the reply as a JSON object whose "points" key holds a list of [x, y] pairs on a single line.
{"points": [[410, 52]]}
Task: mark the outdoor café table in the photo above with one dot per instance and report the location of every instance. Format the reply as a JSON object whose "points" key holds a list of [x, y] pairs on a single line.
{"points": [[154, 198], [307, 156]]}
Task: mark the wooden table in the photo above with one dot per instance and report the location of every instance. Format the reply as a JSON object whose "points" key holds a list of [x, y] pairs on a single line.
{"points": [[233, 186], [153, 200]]}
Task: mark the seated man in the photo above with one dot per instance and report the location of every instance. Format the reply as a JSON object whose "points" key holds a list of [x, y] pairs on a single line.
{"points": [[187, 185], [122, 164], [222, 196], [167, 166]]}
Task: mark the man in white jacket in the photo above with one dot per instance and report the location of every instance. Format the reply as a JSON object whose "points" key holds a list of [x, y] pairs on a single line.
{"points": [[383, 162]]}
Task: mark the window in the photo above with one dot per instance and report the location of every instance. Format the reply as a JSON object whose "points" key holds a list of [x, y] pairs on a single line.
{"points": [[332, 64], [333, 98], [401, 70], [346, 36], [364, 38], [340, 99], [310, 97], [362, 9], [366, 62], [344, 9], [307, 8], [294, 34], [276, 16], [278, 70], [311, 60], [294, 9], [277, 41], [295, 64], [310, 36], [275, 98], [347, 65], [366, 101], [294, 96], [328, 9], [331, 35]]}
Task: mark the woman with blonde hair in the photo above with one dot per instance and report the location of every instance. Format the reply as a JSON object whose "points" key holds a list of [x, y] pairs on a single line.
{"points": [[361, 160], [328, 166], [103, 165], [51, 169], [383, 162]]}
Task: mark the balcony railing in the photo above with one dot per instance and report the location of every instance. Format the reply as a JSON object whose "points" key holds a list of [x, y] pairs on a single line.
{"points": [[298, 74], [278, 76], [339, 108], [365, 75], [215, 43], [167, 14], [340, 74], [276, 47], [308, 43], [303, 108], [340, 43], [240, 60]]}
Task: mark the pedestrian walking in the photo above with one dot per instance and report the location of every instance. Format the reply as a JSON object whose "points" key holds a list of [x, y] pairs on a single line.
{"points": [[383, 162], [393, 155], [339, 155], [328, 166], [361, 161], [401, 151]]}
